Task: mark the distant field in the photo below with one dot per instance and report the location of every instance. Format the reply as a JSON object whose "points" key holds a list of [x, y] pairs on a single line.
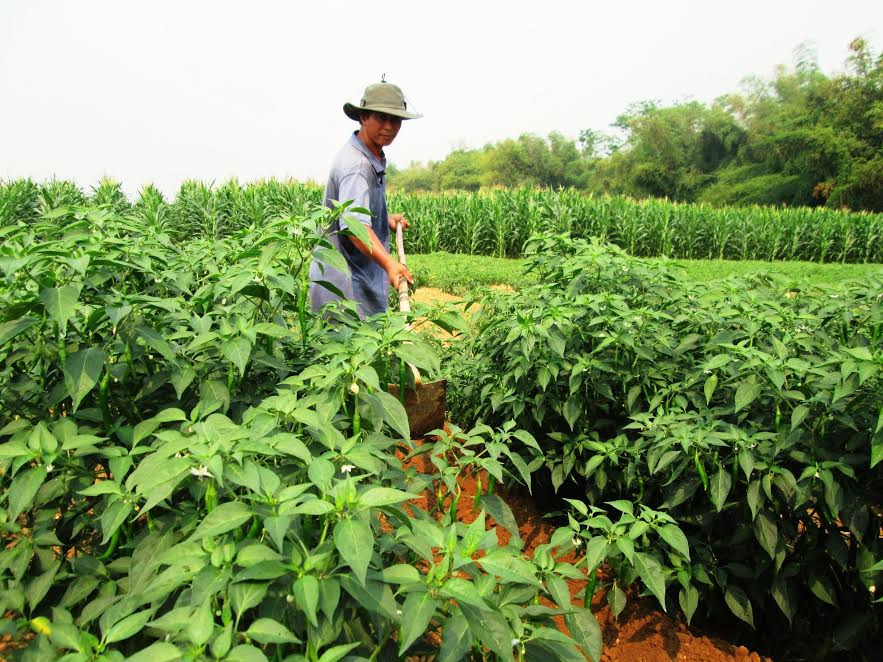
{"points": [[458, 274]]}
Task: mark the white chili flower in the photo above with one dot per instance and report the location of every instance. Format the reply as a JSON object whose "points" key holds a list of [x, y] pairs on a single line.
{"points": [[872, 588], [201, 472], [346, 468], [515, 642], [577, 541], [49, 468], [398, 612], [224, 301], [354, 388], [289, 598]]}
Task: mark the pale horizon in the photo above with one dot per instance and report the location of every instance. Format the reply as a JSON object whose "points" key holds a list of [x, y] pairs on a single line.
{"points": [[161, 92]]}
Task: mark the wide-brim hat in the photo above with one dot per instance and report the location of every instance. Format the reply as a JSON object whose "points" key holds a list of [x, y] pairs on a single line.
{"points": [[383, 98]]}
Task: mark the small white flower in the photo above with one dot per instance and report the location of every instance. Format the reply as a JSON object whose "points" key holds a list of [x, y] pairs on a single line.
{"points": [[116, 381], [816, 474], [157, 280], [178, 455], [872, 588], [289, 598], [577, 541], [515, 642], [708, 372], [150, 357], [354, 388], [346, 468], [49, 468], [201, 472], [398, 612], [224, 301]]}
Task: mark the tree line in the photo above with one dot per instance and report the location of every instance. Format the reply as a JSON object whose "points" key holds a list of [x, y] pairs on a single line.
{"points": [[799, 138]]}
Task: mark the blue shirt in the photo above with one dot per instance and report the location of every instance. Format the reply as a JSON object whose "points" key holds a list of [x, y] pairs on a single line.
{"points": [[356, 175]]}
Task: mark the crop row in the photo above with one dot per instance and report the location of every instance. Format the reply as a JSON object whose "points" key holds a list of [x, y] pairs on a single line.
{"points": [[745, 410], [193, 466], [499, 222]]}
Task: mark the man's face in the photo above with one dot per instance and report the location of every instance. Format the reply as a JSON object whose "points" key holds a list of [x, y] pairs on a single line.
{"points": [[380, 128]]}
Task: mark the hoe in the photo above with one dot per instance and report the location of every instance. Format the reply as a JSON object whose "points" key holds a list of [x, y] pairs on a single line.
{"points": [[425, 404]]}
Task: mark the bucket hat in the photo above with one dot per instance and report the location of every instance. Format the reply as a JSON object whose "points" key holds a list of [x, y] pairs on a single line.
{"points": [[382, 97]]}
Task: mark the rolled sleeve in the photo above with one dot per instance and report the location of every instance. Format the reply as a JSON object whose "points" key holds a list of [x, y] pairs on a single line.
{"points": [[354, 186]]}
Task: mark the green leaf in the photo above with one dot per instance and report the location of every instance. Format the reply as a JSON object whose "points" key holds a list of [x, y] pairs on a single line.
{"points": [[416, 614], [246, 653], [491, 629], [269, 631], [156, 341], [237, 351], [739, 604], [160, 651], [766, 532], [719, 488], [419, 354], [9, 330], [509, 567], [502, 514], [784, 597], [710, 386], [391, 411], [596, 551], [401, 573], [23, 489], [113, 517], [40, 585], [746, 394], [823, 588], [60, 303], [652, 575], [306, 593], [246, 595], [129, 626], [456, 639], [81, 372], [585, 631], [202, 624], [688, 598], [336, 653], [382, 496], [223, 518], [221, 644], [798, 415], [355, 544], [673, 535], [616, 598], [463, 591]]}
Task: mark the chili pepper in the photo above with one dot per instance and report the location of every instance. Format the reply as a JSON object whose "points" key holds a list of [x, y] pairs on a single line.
{"points": [[402, 378], [103, 388], [491, 481], [127, 353], [111, 548], [357, 420], [701, 469], [302, 309], [255, 527], [62, 351], [590, 588], [477, 500], [211, 496], [226, 613]]}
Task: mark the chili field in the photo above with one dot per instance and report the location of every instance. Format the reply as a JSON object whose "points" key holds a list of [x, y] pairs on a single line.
{"points": [[194, 466]]}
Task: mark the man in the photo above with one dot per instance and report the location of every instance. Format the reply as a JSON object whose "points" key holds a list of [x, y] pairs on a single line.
{"points": [[359, 174]]}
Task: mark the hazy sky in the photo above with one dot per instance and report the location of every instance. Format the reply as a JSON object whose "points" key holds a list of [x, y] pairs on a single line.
{"points": [[165, 90]]}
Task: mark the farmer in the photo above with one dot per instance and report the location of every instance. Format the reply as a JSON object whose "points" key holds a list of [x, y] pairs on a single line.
{"points": [[359, 174]]}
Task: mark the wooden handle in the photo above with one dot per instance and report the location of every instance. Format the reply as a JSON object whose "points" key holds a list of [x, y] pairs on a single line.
{"points": [[404, 302]]}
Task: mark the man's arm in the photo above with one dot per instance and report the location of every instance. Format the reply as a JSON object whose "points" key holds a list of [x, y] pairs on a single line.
{"points": [[383, 259]]}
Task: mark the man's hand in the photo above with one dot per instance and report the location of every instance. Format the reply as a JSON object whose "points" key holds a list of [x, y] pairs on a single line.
{"points": [[396, 272], [395, 219]]}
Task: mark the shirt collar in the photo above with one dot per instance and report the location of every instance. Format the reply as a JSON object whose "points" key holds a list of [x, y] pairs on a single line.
{"points": [[379, 165]]}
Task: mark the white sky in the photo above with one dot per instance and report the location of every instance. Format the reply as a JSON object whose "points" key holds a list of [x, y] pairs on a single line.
{"points": [[164, 90]]}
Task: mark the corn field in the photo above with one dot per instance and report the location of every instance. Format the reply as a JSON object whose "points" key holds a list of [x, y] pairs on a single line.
{"points": [[495, 222]]}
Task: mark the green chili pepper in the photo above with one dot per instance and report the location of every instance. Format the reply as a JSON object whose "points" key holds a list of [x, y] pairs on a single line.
{"points": [[701, 469], [491, 481], [402, 379], [111, 548], [590, 588], [255, 527], [211, 497], [477, 501], [103, 388]]}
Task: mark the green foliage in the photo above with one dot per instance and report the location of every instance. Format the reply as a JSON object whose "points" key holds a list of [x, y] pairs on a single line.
{"points": [[745, 412], [194, 466]]}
